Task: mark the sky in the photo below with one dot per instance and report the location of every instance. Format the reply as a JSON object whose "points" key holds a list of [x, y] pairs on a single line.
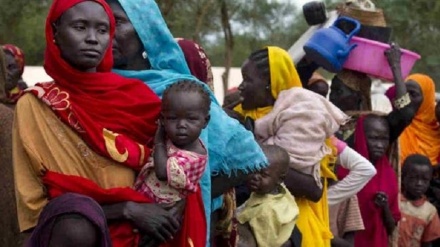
{"points": [[300, 3]]}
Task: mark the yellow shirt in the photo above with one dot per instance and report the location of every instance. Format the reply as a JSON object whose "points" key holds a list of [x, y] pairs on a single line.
{"points": [[42, 142], [271, 217]]}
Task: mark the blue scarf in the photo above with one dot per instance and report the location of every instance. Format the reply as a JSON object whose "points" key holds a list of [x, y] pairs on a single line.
{"points": [[231, 147]]}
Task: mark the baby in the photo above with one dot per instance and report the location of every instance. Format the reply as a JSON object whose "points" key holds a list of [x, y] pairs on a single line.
{"points": [[179, 156], [420, 223], [271, 211]]}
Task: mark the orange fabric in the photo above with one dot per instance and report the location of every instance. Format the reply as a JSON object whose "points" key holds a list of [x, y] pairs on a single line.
{"points": [[422, 136]]}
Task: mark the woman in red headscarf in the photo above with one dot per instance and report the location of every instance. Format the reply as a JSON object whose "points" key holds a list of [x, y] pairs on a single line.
{"points": [[82, 137], [15, 68]]}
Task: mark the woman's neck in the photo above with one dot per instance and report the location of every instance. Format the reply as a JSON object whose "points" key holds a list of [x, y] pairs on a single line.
{"points": [[138, 64]]}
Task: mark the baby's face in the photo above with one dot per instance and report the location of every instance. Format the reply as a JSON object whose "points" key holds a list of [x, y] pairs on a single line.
{"points": [[266, 180], [184, 118]]}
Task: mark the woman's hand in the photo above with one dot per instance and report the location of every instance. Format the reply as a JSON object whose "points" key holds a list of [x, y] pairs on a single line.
{"points": [[381, 199], [393, 55], [152, 220]]}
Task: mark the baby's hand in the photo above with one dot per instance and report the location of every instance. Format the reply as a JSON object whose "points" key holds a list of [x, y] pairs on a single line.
{"points": [[381, 199], [160, 133]]}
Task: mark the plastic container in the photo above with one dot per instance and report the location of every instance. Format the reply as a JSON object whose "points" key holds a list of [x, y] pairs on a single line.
{"points": [[330, 47], [369, 58]]}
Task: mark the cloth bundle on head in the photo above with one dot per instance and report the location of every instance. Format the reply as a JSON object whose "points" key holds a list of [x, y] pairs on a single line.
{"points": [[300, 122], [381, 103], [230, 147], [358, 82], [197, 61], [107, 110], [422, 136], [18, 55], [283, 76]]}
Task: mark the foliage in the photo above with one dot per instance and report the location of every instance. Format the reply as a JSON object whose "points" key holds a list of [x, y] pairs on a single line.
{"points": [[416, 27], [22, 23], [255, 23]]}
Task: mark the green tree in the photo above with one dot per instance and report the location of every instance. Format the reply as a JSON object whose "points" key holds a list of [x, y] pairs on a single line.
{"points": [[416, 27], [22, 23]]}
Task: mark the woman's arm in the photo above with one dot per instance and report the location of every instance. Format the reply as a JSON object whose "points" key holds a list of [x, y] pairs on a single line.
{"points": [[381, 200], [393, 56], [222, 183], [402, 115], [340, 242], [388, 220], [360, 172], [303, 185]]}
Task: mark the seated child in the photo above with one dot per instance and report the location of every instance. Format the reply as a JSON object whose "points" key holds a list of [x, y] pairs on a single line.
{"points": [[179, 157], [420, 223], [271, 211]]}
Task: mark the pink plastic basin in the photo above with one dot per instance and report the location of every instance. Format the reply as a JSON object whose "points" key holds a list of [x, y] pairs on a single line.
{"points": [[369, 58]]}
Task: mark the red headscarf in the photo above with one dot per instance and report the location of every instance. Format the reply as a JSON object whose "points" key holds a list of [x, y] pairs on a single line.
{"points": [[386, 181], [114, 115], [197, 61], [17, 53]]}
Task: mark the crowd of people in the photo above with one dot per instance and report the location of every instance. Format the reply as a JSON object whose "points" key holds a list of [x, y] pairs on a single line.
{"points": [[128, 146]]}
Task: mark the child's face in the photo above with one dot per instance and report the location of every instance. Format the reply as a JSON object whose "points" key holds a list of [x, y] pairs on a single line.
{"points": [[416, 181], [378, 136], [266, 180], [184, 117]]}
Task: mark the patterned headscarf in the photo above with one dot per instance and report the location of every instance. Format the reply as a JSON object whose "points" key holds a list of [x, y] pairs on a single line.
{"points": [[358, 82], [197, 60], [422, 136], [17, 53]]}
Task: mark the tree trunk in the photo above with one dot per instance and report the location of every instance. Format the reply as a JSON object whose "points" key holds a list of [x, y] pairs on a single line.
{"points": [[200, 18], [229, 43]]}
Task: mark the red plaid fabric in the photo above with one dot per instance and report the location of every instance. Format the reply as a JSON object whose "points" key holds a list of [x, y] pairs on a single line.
{"points": [[184, 168]]}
